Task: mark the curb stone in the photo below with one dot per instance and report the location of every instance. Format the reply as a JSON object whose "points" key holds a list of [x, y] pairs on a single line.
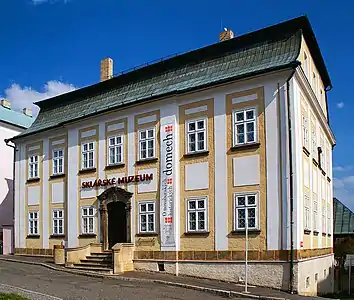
{"points": [[223, 293]]}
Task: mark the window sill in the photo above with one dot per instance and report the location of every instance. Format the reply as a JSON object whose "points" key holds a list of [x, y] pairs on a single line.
{"points": [[307, 231], [329, 179], [89, 170], [115, 166], [243, 232], [57, 236], [147, 234], [245, 146], [205, 233], [31, 180], [54, 176], [33, 236], [196, 153], [146, 161], [315, 162], [307, 152], [324, 234], [315, 233], [87, 235]]}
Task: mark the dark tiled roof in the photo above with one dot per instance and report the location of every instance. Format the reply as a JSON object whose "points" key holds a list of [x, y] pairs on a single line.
{"points": [[268, 49], [343, 218]]}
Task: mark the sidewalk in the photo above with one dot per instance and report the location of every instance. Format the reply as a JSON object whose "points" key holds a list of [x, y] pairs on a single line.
{"points": [[226, 289]]}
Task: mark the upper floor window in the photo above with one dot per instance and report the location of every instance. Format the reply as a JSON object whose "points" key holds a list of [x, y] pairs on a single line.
{"points": [[314, 82], [58, 161], [33, 223], [314, 140], [329, 221], [33, 166], [307, 212], [88, 155], [196, 135], [322, 154], [305, 130], [315, 215], [324, 209], [115, 150], [58, 221], [306, 65], [246, 211], [147, 216], [146, 143], [244, 126], [88, 220], [197, 214]]}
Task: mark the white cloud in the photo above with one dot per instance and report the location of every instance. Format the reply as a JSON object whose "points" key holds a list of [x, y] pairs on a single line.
{"points": [[343, 189], [341, 168], [23, 97], [36, 2], [340, 104]]}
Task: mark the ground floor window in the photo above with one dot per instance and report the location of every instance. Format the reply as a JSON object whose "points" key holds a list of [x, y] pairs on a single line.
{"points": [[58, 221], [88, 220], [147, 216], [246, 209], [197, 214], [33, 221]]}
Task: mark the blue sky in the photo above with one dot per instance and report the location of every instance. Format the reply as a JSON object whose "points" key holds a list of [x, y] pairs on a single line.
{"points": [[53, 46]]}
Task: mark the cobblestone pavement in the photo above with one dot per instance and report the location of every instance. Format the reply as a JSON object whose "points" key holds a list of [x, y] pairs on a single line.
{"points": [[37, 282]]}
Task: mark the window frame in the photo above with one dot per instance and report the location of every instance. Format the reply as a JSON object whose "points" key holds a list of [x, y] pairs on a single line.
{"points": [[88, 151], [314, 140], [187, 133], [147, 213], [324, 218], [140, 141], [305, 129], [306, 64], [58, 158], [58, 210], [33, 220], [115, 146], [239, 207], [196, 210], [88, 216], [315, 215], [314, 82], [307, 212], [234, 131], [35, 163]]}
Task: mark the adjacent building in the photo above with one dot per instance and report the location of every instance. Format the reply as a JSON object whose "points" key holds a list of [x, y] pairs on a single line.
{"points": [[180, 156], [11, 123]]}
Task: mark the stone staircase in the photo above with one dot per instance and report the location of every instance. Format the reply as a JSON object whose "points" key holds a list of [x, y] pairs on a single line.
{"points": [[96, 262]]}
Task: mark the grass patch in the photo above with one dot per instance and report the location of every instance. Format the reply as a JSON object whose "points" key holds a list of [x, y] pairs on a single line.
{"points": [[11, 297]]}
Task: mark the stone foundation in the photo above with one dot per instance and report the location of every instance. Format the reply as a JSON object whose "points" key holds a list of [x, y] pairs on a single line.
{"points": [[33, 251]]}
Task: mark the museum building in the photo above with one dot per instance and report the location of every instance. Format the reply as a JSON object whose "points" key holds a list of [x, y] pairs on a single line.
{"points": [[178, 157]]}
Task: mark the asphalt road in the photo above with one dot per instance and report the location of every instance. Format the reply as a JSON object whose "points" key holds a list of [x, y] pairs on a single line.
{"points": [[40, 283]]}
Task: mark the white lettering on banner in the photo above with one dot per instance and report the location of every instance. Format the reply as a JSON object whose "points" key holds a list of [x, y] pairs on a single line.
{"points": [[167, 193]]}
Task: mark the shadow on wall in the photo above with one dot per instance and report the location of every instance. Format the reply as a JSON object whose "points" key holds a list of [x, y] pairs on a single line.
{"points": [[6, 204]]}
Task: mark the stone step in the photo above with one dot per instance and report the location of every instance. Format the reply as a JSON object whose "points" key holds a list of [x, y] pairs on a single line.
{"points": [[93, 265], [97, 259], [101, 254], [92, 269]]}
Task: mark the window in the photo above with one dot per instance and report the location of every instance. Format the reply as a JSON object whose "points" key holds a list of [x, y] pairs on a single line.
{"points": [[306, 65], [329, 220], [324, 208], [115, 150], [325, 273], [147, 217], [33, 222], [58, 161], [314, 82], [58, 221], [246, 208], [88, 155], [33, 166], [307, 212], [315, 210], [316, 277], [245, 126], [146, 143], [327, 161], [305, 130], [196, 136], [307, 282], [314, 141], [88, 220], [197, 214], [322, 154]]}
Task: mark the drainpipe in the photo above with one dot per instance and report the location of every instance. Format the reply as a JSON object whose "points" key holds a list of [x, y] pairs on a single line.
{"points": [[291, 185], [13, 193]]}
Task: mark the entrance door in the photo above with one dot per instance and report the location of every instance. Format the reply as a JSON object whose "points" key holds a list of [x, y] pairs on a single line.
{"points": [[117, 223]]}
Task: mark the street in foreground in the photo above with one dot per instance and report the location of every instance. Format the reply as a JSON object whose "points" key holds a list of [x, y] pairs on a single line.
{"points": [[36, 282]]}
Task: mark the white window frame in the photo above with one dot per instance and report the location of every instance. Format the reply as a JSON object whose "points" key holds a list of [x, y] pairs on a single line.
{"points": [[58, 159], [307, 212], [146, 214], [88, 151], [117, 146], [88, 216], [314, 140], [245, 207], [145, 141], [324, 218], [196, 210], [33, 216], [244, 122], [314, 82], [306, 65], [195, 133], [33, 161], [305, 130], [329, 220], [315, 215], [57, 216]]}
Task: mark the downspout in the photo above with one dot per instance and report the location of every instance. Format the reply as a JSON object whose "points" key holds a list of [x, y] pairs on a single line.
{"points": [[291, 186], [13, 192]]}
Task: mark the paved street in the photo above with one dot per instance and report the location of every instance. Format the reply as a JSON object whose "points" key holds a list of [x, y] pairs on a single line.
{"points": [[40, 283]]}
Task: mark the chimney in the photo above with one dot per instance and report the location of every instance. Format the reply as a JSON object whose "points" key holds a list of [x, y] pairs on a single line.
{"points": [[225, 35], [27, 112], [106, 69], [5, 103]]}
